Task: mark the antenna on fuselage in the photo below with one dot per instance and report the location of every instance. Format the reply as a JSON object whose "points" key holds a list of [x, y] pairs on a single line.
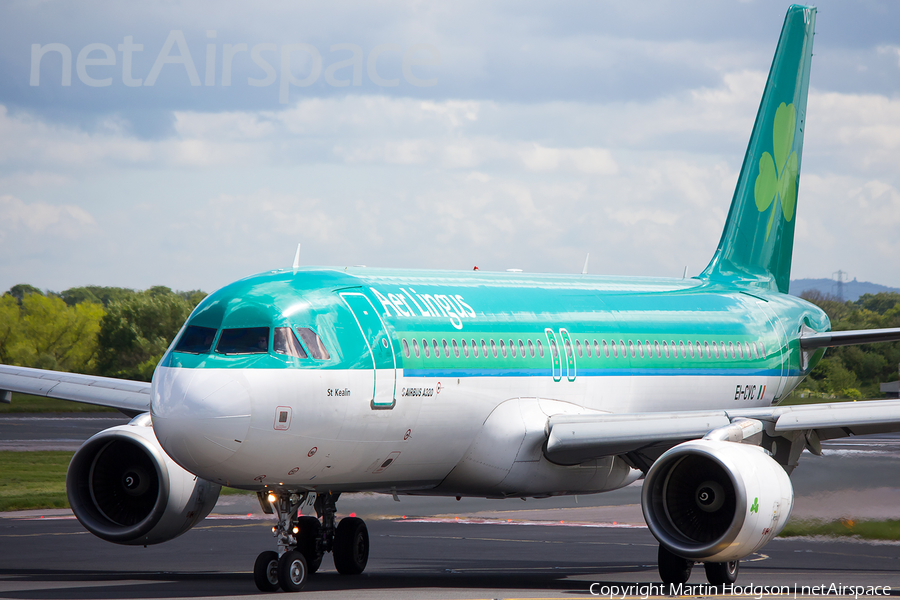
{"points": [[584, 270], [297, 258]]}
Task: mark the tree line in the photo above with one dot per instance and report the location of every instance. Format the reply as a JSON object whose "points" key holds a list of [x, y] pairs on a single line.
{"points": [[109, 331], [119, 332], [856, 371]]}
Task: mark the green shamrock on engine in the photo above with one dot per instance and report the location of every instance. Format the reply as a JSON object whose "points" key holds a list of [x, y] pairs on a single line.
{"points": [[778, 176]]}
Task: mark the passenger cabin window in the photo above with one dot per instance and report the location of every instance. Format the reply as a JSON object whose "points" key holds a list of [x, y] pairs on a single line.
{"points": [[196, 340], [494, 348], [465, 349], [416, 347], [285, 342], [512, 348], [455, 349], [484, 348], [447, 348], [522, 349], [531, 348], [503, 348], [587, 348], [578, 347], [313, 343], [405, 348], [474, 349], [540, 348], [425, 348], [437, 351], [250, 340]]}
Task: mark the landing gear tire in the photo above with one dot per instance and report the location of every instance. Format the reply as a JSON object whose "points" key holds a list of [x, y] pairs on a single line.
{"points": [[673, 569], [292, 571], [351, 546], [721, 573], [307, 542], [265, 571]]}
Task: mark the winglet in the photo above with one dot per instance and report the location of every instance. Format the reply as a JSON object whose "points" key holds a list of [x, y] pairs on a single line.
{"points": [[584, 270], [297, 258]]}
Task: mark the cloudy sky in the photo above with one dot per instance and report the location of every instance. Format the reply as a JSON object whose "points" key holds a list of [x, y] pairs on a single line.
{"points": [[191, 144]]}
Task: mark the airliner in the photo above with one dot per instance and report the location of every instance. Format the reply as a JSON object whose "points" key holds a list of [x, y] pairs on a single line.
{"points": [[303, 384]]}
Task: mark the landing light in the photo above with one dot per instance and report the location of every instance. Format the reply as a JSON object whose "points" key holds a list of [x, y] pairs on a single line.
{"points": [[296, 530], [271, 498]]}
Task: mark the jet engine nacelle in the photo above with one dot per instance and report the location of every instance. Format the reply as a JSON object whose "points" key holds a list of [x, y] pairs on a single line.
{"points": [[716, 501], [124, 488]]}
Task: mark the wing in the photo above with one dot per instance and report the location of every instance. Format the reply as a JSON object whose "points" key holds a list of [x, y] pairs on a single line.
{"points": [[574, 439], [130, 397]]}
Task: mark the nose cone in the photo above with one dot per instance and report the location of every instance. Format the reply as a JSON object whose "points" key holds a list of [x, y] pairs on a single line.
{"points": [[200, 416]]}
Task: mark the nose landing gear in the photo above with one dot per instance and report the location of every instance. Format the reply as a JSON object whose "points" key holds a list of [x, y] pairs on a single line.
{"points": [[303, 540]]}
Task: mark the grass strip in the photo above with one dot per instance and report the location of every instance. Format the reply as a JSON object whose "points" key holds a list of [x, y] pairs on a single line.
{"points": [[864, 529], [23, 403], [33, 480], [37, 480]]}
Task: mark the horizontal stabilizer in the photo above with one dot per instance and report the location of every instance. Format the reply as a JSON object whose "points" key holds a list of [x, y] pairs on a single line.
{"points": [[829, 339]]}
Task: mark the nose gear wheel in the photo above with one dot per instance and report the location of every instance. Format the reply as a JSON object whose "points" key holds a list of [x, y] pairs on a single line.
{"points": [[303, 540]]}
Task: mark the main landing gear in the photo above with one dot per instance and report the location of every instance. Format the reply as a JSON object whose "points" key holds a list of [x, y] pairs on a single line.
{"points": [[675, 570], [303, 541]]}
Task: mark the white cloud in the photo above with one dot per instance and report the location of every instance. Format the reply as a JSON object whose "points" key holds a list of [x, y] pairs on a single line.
{"points": [[66, 221], [550, 135]]}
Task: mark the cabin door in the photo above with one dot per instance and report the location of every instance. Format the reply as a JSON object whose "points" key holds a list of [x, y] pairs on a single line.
{"points": [[776, 342], [553, 347], [381, 349]]}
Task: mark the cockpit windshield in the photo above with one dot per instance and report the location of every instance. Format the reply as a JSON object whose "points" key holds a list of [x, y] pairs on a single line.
{"points": [[286, 343], [252, 340], [313, 343], [196, 340]]}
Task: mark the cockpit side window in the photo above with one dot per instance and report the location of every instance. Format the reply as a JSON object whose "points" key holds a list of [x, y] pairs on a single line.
{"points": [[313, 343], [196, 340], [252, 340], [285, 342]]}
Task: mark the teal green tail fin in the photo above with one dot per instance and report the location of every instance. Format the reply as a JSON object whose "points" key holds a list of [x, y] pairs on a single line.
{"points": [[758, 239]]}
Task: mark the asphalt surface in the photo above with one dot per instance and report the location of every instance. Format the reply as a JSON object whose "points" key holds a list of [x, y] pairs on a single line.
{"points": [[53, 431], [476, 548], [50, 559]]}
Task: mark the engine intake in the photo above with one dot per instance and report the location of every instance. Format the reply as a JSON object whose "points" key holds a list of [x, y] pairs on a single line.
{"points": [[124, 488], [716, 501]]}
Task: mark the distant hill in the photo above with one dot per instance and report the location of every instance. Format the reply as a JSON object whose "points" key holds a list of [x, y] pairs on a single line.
{"points": [[852, 289]]}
